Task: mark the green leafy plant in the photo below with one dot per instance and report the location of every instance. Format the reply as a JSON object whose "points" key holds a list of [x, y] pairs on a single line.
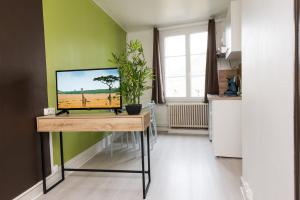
{"points": [[134, 72]]}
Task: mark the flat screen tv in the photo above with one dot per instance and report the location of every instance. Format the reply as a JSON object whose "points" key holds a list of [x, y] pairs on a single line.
{"points": [[88, 89]]}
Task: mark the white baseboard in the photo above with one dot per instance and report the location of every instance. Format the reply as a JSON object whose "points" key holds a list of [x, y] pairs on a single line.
{"points": [[165, 128], [188, 131], [162, 128], [246, 191], [37, 190]]}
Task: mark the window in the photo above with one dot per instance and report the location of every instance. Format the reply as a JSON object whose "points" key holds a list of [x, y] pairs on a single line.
{"points": [[175, 66], [184, 63]]}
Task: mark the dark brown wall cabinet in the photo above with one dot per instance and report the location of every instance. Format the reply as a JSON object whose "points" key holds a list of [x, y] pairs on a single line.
{"points": [[23, 94]]}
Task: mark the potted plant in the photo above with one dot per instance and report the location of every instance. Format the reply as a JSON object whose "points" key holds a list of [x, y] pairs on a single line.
{"points": [[134, 74]]}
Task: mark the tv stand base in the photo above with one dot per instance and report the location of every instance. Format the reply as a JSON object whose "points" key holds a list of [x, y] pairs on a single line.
{"points": [[117, 111], [62, 112]]}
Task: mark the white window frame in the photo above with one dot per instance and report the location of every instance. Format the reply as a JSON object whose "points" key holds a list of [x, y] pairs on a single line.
{"points": [[182, 30]]}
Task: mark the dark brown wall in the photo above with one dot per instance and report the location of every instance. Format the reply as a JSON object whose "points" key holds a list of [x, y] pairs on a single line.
{"points": [[23, 94]]}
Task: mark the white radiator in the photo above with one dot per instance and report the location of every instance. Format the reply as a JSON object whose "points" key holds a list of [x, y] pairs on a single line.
{"points": [[188, 115]]}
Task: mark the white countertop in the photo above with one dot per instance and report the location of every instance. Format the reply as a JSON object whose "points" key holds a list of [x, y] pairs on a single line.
{"points": [[217, 97]]}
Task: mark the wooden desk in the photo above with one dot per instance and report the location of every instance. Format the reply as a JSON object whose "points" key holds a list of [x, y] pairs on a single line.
{"points": [[95, 123]]}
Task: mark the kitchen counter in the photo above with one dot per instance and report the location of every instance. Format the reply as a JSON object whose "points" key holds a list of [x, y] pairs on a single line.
{"points": [[217, 97], [225, 125]]}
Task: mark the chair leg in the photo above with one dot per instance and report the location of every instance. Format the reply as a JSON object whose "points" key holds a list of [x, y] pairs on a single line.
{"points": [[122, 140], [111, 144], [155, 130], [151, 136], [127, 140], [133, 139], [138, 140], [107, 145]]}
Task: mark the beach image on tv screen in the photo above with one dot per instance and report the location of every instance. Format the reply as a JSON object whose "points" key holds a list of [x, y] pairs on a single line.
{"points": [[86, 89]]}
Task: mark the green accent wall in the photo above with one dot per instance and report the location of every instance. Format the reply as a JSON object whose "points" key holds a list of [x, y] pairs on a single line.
{"points": [[78, 34]]}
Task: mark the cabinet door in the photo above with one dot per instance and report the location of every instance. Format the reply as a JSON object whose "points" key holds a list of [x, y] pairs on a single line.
{"points": [[233, 29], [210, 127], [235, 20], [226, 123], [228, 31]]}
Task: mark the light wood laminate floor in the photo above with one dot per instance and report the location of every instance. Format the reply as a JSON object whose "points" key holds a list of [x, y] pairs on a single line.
{"points": [[183, 168]]}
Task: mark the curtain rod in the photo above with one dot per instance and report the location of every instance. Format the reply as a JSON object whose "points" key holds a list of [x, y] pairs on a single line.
{"points": [[164, 28]]}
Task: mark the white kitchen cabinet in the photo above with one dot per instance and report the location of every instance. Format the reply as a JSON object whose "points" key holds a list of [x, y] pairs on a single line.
{"points": [[233, 30], [225, 126]]}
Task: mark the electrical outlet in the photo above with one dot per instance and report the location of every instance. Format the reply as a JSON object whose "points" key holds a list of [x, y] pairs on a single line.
{"points": [[49, 111]]}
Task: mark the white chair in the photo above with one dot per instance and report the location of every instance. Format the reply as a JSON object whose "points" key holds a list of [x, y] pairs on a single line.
{"points": [[135, 137], [153, 125], [110, 140], [152, 128]]}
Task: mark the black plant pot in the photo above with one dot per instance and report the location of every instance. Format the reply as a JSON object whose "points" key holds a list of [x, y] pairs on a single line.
{"points": [[133, 109]]}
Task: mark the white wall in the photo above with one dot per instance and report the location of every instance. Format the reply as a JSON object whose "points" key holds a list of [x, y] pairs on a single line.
{"points": [[267, 105], [146, 37]]}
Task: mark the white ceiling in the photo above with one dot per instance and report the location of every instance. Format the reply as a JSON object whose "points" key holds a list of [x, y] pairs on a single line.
{"points": [[135, 15]]}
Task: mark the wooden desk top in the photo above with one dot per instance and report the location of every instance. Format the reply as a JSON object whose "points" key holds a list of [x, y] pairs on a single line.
{"points": [[93, 122]]}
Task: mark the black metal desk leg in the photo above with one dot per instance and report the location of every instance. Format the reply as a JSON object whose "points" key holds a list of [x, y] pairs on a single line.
{"points": [[148, 155], [143, 164], [62, 156], [45, 190], [43, 164]]}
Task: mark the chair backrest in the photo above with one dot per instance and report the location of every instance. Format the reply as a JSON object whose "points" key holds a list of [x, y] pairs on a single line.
{"points": [[151, 107]]}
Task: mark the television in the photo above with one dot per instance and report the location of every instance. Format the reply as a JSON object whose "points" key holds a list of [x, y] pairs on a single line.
{"points": [[88, 89]]}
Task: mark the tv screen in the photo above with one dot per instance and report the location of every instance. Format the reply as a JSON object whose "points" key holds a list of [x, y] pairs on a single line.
{"points": [[88, 89]]}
